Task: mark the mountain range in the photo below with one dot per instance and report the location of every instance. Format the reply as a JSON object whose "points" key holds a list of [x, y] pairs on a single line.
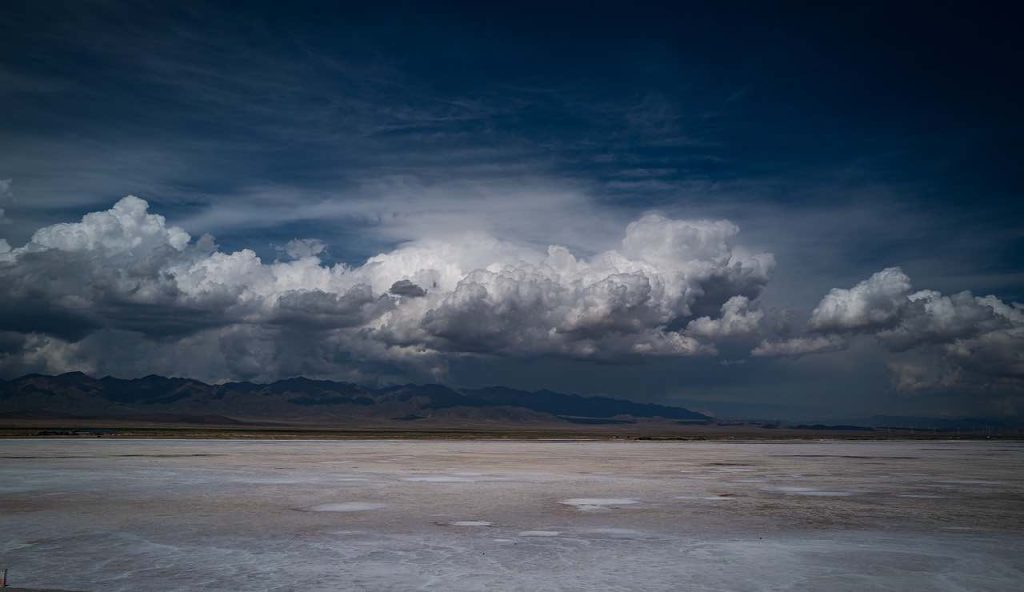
{"points": [[313, 402]]}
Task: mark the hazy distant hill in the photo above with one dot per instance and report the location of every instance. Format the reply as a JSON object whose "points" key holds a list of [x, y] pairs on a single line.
{"points": [[301, 400]]}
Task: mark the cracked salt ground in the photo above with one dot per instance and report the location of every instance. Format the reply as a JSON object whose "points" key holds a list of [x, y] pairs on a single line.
{"points": [[90, 515]]}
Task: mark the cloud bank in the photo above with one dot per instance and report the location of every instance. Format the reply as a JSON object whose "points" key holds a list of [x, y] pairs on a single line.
{"points": [[124, 292], [937, 340]]}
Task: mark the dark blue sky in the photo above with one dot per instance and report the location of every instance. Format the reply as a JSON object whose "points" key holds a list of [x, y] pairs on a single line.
{"points": [[843, 140]]}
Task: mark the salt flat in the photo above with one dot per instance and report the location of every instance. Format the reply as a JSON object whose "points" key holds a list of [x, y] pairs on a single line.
{"points": [[494, 515]]}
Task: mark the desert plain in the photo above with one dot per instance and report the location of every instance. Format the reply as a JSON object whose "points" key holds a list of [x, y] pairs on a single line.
{"points": [[167, 515]]}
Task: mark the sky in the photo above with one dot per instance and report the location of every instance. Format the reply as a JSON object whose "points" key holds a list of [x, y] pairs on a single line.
{"points": [[765, 209]]}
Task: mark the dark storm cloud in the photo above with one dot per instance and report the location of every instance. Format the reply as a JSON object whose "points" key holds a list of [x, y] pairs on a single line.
{"points": [[406, 288]]}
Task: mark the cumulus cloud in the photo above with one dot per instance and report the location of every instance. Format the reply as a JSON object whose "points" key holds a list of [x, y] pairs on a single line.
{"points": [[942, 340], [79, 292], [736, 319], [875, 302]]}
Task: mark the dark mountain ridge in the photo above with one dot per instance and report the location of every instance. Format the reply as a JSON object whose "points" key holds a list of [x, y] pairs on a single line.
{"points": [[303, 400]]}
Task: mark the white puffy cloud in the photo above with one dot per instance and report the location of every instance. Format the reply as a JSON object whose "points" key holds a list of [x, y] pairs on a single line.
{"points": [[126, 228], [486, 296], [126, 276], [955, 340], [736, 319], [124, 292], [874, 302], [928, 316]]}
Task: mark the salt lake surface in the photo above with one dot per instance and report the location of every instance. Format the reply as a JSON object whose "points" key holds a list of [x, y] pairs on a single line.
{"points": [[434, 515]]}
